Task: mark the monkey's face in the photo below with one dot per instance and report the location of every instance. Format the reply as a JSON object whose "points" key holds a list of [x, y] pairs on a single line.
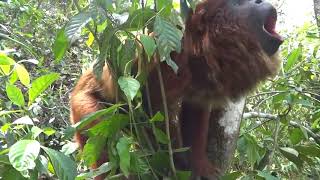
{"points": [[261, 18]]}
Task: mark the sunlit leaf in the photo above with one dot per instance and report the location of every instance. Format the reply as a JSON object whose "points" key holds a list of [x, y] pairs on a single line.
{"points": [[293, 57], [22, 154], [15, 95], [23, 74], [41, 84]]}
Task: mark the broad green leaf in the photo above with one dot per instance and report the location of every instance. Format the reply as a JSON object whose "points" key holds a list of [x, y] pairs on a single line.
{"points": [[149, 44], [35, 132], [293, 57], [22, 155], [76, 23], [15, 95], [158, 117], [64, 167], [168, 40], [123, 148], [48, 131], [42, 165], [183, 175], [138, 19], [295, 135], [138, 164], [94, 116], [13, 77], [5, 60], [165, 7], [129, 86], [11, 174], [41, 84], [161, 136], [310, 150], [69, 148], [24, 120], [110, 125], [104, 168], [4, 159], [90, 39], [267, 175], [292, 155], [60, 45], [93, 149], [23, 74]]}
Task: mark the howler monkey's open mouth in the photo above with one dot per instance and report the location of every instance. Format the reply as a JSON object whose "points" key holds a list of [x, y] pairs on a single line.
{"points": [[269, 25]]}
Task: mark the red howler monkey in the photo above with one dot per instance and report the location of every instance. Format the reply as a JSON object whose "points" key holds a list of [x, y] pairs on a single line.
{"points": [[229, 46]]}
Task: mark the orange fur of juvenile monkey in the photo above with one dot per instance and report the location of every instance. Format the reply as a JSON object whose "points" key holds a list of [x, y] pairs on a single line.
{"points": [[222, 59]]}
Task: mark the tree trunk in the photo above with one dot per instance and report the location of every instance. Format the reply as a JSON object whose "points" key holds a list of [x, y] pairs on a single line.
{"points": [[223, 133], [317, 12]]}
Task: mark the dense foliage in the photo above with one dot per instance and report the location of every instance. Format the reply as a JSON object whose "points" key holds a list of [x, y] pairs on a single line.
{"points": [[43, 45]]}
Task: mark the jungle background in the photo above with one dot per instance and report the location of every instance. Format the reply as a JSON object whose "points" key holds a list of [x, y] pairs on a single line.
{"points": [[46, 45]]}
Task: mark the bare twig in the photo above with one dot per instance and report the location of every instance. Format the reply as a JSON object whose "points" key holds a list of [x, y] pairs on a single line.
{"points": [[250, 115], [166, 113]]}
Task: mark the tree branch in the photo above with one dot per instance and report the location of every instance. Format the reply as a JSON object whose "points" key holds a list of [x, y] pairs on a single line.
{"points": [[249, 115]]}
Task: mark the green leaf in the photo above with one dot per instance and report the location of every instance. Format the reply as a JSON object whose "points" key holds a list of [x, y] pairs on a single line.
{"points": [[48, 131], [60, 45], [90, 39], [93, 149], [291, 155], [4, 159], [129, 86], [35, 132], [310, 150], [15, 95], [5, 60], [94, 116], [138, 19], [183, 175], [104, 168], [158, 117], [69, 148], [23, 74], [266, 175], [110, 125], [161, 136], [293, 57], [64, 167], [41, 84], [76, 23], [22, 155], [165, 7], [295, 135], [149, 44], [168, 40], [231, 176], [123, 148]]}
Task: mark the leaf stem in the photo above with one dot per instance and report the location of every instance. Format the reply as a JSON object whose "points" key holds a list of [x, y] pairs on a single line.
{"points": [[166, 113]]}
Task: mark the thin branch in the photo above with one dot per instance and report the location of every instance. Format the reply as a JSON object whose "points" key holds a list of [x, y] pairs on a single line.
{"points": [[250, 115], [166, 113]]}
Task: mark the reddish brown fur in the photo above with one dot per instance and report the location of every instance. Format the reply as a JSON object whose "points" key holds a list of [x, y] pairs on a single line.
{"points": [[221, 61]]}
